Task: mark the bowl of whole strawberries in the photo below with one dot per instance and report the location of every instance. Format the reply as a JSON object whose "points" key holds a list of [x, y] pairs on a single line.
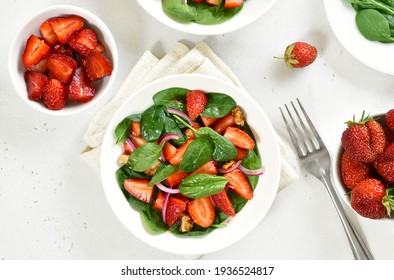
{"points": [[63, 60], [365, 165]]}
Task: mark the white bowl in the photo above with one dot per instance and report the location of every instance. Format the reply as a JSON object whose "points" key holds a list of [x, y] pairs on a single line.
{"points": [[252, 10], [342, 190], [246, 220], [376, 55], [17, 69]]}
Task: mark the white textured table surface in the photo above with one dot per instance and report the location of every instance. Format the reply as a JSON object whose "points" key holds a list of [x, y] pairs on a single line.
{"points": [[52, 206]]}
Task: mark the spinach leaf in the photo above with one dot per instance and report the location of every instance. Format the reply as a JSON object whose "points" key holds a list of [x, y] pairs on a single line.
{"points": [[201, 13], [172, 127], [171, 97], [252, 161], [373, 25], [223, 150], [197, 153], [144, 156], [152, 122], [385, 6], [152, 218], [219, 105], [162, 173], [123, 129], [201, 185], [123, 173]]}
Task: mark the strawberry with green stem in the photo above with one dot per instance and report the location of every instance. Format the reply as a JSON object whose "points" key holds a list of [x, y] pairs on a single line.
{"points": [[371, 199], [363, 140], [299, 55]]}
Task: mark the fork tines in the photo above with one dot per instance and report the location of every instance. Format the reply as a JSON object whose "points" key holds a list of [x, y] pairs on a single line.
{"points": [[304, 135]]}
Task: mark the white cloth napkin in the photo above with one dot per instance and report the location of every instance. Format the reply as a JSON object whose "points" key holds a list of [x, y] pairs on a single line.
{"points": [[179, 60]]}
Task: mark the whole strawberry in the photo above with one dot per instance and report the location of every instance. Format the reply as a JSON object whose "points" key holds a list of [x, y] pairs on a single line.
{"points": [[299, 55], [353, 172], [195, 103], [384, 164], [390, 119], [363, 140], [370, 199]]}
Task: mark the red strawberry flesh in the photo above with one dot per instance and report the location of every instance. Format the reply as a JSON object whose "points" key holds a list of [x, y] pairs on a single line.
{"points": [[54, 95], [366, 199], [195, 103]]}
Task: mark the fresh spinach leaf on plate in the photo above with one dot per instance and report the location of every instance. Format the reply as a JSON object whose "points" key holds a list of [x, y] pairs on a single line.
{"points": [[123, 129]]}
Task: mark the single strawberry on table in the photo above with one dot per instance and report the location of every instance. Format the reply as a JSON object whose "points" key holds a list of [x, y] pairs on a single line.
{"points": [[299, 55], [370, 199], [363, 140]]}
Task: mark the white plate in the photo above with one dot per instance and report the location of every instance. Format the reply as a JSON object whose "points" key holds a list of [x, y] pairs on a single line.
{"points": [[251, 11], [246, 220], [376, 55]]}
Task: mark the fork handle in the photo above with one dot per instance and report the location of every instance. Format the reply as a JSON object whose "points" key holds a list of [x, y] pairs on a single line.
{"points": [[359, 248]]}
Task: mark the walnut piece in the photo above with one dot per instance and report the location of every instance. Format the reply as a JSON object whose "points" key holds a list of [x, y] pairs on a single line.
{"points": [[187, 224], [238, 116]]}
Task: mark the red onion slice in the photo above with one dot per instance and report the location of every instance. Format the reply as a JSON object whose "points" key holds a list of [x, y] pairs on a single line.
{"points": [[232, 168], [164, 209], [251, 172], [181, 114], [168, 137], [130, 144], [167, 190]]}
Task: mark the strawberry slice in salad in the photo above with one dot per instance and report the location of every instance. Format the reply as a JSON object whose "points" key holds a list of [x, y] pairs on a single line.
{"points": [[181, 174]]}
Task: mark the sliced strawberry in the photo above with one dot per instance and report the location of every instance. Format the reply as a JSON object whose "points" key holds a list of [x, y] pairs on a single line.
{"points": [[239, 183], [222, 202], [175, 208], [47, 33], [213, 2], [100, 47], [84, 41], [40, 66], [54, 95], [139, 189], [158, 204], [137, 140], [65, 27], [97, 65], [126, 149], [35, 50], [231, 4], [62, 67], [195, 103], [202, 211], [136, 128], [239, 138], [176, 177], [63, 49], [221, 125], [81, 88], [207, 168], [169, 150], [177, 157], [35, 84], [241, 153], [207, 121]]}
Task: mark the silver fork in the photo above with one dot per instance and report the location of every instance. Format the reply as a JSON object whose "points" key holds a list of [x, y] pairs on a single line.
{"points": [[314, 157]]}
